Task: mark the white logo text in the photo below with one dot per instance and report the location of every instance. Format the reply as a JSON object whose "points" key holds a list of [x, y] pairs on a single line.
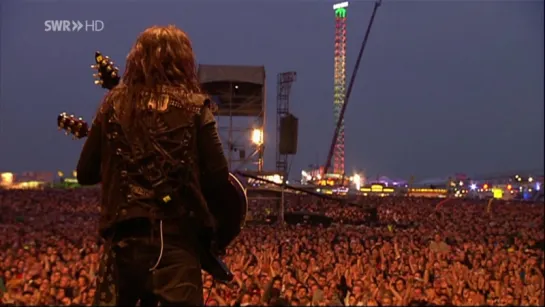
{"points": [[74, 25]]}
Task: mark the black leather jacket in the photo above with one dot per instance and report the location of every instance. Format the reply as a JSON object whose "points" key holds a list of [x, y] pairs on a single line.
{"points": [[185, 153]]}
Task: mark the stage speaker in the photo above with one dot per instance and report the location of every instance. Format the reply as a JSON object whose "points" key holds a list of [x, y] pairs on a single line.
{"points": [[288, 135]]}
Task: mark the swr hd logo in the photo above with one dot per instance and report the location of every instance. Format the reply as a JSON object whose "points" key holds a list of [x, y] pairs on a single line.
{"points": [[74, 25]]}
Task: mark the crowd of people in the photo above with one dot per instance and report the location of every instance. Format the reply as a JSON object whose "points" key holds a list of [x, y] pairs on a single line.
{"points": [[462, 253]]}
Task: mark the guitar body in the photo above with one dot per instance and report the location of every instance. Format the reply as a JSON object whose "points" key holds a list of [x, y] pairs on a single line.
{"points": [[228, 205], [230, 219]]}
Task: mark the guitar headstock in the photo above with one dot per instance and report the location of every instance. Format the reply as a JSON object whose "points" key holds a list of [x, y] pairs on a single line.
{"points": [[73, 125], [107, 75]]}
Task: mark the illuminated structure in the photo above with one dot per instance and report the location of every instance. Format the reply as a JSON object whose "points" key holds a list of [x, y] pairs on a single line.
{"points": [[377, 190], [6, 179], [340, 82], [238, 96], [427, 192]]}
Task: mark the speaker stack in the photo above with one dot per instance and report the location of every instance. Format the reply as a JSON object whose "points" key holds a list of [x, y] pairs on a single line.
{"points": [[289, 126]]}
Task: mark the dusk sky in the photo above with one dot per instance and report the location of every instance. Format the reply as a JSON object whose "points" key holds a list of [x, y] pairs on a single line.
{"points": [[444, 87]]}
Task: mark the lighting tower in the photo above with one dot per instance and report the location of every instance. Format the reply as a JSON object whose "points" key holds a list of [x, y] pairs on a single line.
{"points": [[340, 82]]}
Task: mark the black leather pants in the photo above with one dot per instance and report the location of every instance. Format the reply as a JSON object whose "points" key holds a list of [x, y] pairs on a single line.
{"points": [[175, 282], [151, 264]]}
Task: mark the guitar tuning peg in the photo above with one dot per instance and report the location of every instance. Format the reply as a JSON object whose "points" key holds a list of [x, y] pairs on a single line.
{"points": [[98, 82], [109, 68], [116, 68], [94, 66], [107, 57], [80, 118], [113, 74], [97, 75], [104, 62]]}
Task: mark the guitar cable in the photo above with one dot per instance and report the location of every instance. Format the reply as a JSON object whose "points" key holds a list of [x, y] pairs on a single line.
{"points": [[162, 247], [161, 257]]}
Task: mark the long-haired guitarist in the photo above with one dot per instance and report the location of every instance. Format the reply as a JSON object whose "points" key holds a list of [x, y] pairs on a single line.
{"points": [[154, 146]]}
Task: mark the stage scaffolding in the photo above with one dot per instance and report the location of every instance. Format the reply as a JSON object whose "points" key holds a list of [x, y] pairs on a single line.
{"points": [[239, 93]]}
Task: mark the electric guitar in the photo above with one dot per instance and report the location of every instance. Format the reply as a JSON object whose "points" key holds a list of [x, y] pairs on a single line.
{"points": [[229, 206]]}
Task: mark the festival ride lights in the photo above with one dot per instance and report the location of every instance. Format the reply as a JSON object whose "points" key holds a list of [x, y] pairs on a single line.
{"points": [[340, 82]]}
